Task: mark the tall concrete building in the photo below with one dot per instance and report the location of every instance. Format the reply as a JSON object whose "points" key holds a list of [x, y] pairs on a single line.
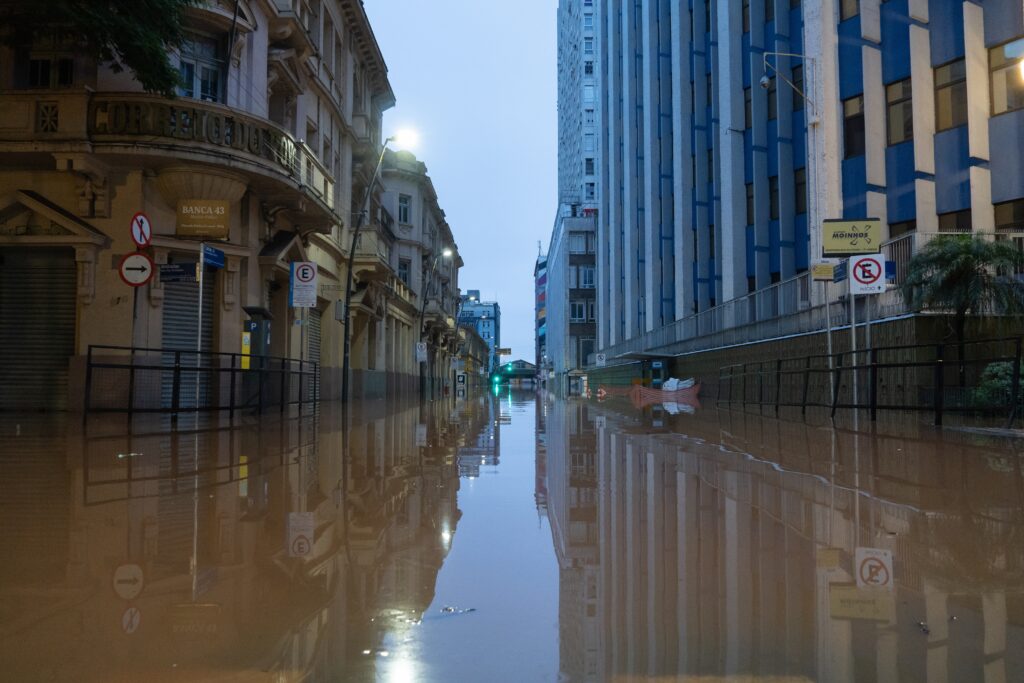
{"points": [[571, 309], [731, 130]]}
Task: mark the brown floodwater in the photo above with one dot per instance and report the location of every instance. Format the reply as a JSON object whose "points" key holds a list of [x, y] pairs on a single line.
{"points": [[509, 538]]}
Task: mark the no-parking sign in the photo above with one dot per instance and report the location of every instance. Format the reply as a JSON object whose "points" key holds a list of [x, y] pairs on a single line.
{"points": [[867, 274]]}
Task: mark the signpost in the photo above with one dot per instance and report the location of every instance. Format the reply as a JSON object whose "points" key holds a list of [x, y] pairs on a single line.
{"points": [[142, 230], [302, 284], [600, 359], [421, 352], [301, 530], [851, 237], [128, 581], [177, 272], [873, 567], [504, 352], [203, 218], [867, 274], [130, 620], [136, 269]]}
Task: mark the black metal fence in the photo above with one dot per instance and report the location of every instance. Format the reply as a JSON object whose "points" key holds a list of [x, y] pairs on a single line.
{"points": [[124, 379], [981, 377]]}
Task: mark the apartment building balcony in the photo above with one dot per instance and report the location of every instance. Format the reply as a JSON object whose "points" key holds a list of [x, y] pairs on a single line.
{"points": [[89, 132], [293, 25], [372, 260]]}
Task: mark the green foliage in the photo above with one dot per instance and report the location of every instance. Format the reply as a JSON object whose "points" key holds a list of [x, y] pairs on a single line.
{"points": [[995, 386], [966, 275], [128, 34]]}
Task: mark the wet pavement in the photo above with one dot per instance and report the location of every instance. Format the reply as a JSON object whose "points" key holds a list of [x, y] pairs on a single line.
{"points": [[509, 538]]}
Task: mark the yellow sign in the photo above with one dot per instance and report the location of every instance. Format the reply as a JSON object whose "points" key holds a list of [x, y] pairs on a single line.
{"points": [[850, 602], [823, 272], [203, 218], [851, 238], [828, 558], [246, 349]]}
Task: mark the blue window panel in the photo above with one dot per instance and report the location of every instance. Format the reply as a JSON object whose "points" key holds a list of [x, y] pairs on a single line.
{"points": [[774, 245], [802, 240], [1006, 132], [854, 184], [946, 20], [745, 46], [952, 175], [796, 30], [851, 67], [799, 138], [773, 146], [895, 41], [751, 260], [1003, 22], [899, 182]]}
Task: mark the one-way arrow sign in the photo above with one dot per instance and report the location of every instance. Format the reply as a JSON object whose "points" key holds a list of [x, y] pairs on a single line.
{"points": [[136, 269]]}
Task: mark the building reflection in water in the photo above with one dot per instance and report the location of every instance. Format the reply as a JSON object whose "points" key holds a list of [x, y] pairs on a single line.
{"points": [[723, 544], [289, 548]]}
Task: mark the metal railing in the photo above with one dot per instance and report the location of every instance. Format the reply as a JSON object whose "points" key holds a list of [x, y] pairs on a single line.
{"points": [[123, 379], [919, 377]]}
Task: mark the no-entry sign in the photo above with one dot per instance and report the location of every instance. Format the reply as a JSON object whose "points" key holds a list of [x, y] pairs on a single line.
{"points": [[867, 274]]}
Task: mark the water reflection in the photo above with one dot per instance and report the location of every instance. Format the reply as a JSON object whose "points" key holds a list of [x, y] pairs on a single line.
{"points": [[724, 544], [284, 550]]}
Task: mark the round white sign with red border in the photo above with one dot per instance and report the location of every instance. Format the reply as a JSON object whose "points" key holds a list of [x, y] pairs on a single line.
{"points": [[136, 269], [141, 229]]}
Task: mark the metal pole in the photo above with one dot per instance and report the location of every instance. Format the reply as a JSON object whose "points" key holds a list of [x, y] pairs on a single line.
{"points": [[853, 340], [364, 208]]}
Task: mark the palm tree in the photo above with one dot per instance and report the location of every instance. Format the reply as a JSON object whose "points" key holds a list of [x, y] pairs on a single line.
{"points": [[965, 275]]}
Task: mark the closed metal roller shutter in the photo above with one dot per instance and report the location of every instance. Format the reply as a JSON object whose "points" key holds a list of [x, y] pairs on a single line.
{"points": [[180, 328], [37, 327], [314, 326]]}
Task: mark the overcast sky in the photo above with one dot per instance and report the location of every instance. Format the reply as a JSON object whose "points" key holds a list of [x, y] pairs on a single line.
{"points": [[477, 80]]}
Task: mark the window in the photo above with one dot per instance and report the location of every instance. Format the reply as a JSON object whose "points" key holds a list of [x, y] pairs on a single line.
{"points": [[588, 46], [773, 100], [1007, 76], [900, 111], [773, 197], [902, 228], [748, 109], [577, 243], [588, 166], [769, 10], [578, 311], [955, 221], [1010, 216], [328, 52], [404, 209], [848, 9], [588, 22], [339, 67], [590, 190], [588, 68], [800, 190], [588, 142], [746, 16], [707, 16], [950, 95], [588, 116], [853, 127], [711, 241], [591, 311], [199, 67], [588, 93], [793, 4], [50, 72], [587, 277], [591, 243], [797, 76], [711, 164], [404, 266], [710, 91], [573, 280], [750, 203]]}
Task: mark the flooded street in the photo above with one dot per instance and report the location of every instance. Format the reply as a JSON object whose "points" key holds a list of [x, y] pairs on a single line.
{"points": [[509, 538]]}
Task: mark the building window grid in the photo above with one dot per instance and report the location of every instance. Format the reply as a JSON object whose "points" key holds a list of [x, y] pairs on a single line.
{"points": [[1010, 216], [899, 111], [1007, 76], [773, 197], [950, 95], [848, 9], [404, 209], [955, 221], [853, 127], [797, 76], [800, 190]]}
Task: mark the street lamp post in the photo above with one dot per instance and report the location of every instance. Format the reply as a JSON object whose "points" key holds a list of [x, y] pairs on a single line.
{"points": [[363, 210], [446, 253], [814, 217]]}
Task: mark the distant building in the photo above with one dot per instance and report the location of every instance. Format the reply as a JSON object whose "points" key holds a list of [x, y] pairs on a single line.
{"points": [[571, 301], [540, 281], [485, 318]]}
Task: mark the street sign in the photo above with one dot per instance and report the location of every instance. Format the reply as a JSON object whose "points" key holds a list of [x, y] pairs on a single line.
{"points": [[301, 530], [142, 230], [851, 602], [851, 237], [194, 620], [421, 435], [213, 257], [177, 272], [130, 620], [823, 272], [128, 581], [873, 567], [421, 352], [302, 284], [504, 352], [867, 274], [136, 269], [203, 218], [600, 359], [840, 272]]}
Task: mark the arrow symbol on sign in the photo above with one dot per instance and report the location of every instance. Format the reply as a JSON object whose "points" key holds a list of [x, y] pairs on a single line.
{"points": [[140, 269], [131, 582]]}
